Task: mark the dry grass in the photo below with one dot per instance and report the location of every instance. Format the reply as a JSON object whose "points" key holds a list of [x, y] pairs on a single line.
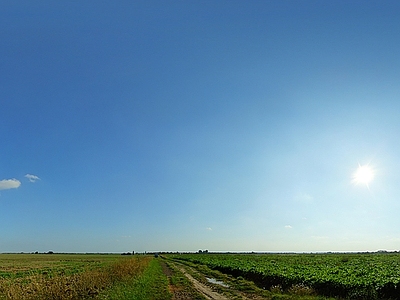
{"points": [[83, 285], [301, 290]]}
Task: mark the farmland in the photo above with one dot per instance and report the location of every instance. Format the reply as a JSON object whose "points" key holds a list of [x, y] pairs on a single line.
{"points": [[349, 276], [200, 276], [79, 276], [91, 276]]}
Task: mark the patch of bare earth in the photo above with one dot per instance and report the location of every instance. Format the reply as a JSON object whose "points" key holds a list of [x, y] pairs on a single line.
{"points": [[179, 292], [205, 290]]}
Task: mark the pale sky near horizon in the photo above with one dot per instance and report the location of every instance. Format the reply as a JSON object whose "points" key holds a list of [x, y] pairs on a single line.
{"points": [[187, 125]]}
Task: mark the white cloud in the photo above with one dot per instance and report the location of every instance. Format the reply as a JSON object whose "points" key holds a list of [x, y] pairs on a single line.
{"points": [[6, 184], [288, 227], [209, 228], [32, 178]]}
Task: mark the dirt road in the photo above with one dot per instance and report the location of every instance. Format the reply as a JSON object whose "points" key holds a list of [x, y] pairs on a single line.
{"points": [[203, 289], [198, 282]]}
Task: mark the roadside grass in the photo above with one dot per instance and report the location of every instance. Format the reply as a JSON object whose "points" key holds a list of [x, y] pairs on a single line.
{"points": [[180, 285], [152, 284]]}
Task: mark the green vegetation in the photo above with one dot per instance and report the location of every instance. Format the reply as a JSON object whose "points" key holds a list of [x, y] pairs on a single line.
{"points": [[350, 276], [151, 284], [71, 276], [143, 277], [237, 288]]}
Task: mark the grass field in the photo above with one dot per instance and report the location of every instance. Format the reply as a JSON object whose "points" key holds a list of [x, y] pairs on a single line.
{"points": [[77, 276]]}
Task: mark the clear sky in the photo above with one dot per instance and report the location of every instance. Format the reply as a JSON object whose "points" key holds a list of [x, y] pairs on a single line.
{"points": [[187, 125]]}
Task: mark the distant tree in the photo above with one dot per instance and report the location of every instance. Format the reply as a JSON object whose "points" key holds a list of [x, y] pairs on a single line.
{"points": [[50, 252], [200, 251]]}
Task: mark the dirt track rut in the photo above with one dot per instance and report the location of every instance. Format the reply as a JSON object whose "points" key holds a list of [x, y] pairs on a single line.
{"points": [[206, 291]]}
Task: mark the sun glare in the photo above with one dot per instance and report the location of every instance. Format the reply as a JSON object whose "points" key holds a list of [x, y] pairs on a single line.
{"points": [[363, 175]]}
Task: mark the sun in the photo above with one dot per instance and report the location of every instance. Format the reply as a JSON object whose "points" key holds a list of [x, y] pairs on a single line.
{"points": [[363, 175]]}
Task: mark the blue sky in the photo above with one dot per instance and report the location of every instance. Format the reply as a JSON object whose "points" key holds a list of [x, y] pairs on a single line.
{"points": [[186, 125]]}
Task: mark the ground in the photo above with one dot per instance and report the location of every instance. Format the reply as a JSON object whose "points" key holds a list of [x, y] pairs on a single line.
{"points": [[186, 282]]}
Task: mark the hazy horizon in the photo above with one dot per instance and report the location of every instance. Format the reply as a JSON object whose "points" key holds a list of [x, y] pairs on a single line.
{"points": [[185, 125]]}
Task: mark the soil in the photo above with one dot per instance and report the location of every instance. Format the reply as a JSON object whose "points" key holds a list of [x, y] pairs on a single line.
{"points": [[206, 291], [181, 294], [167, 271]]}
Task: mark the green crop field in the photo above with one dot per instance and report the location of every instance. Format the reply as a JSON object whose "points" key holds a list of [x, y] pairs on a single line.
{"points": [[349, 276]]}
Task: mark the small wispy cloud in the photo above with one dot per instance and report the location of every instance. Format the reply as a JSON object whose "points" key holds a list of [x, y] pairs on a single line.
{"points": [[288, 227], [7, 184], [209, 228], [32, 178]]}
